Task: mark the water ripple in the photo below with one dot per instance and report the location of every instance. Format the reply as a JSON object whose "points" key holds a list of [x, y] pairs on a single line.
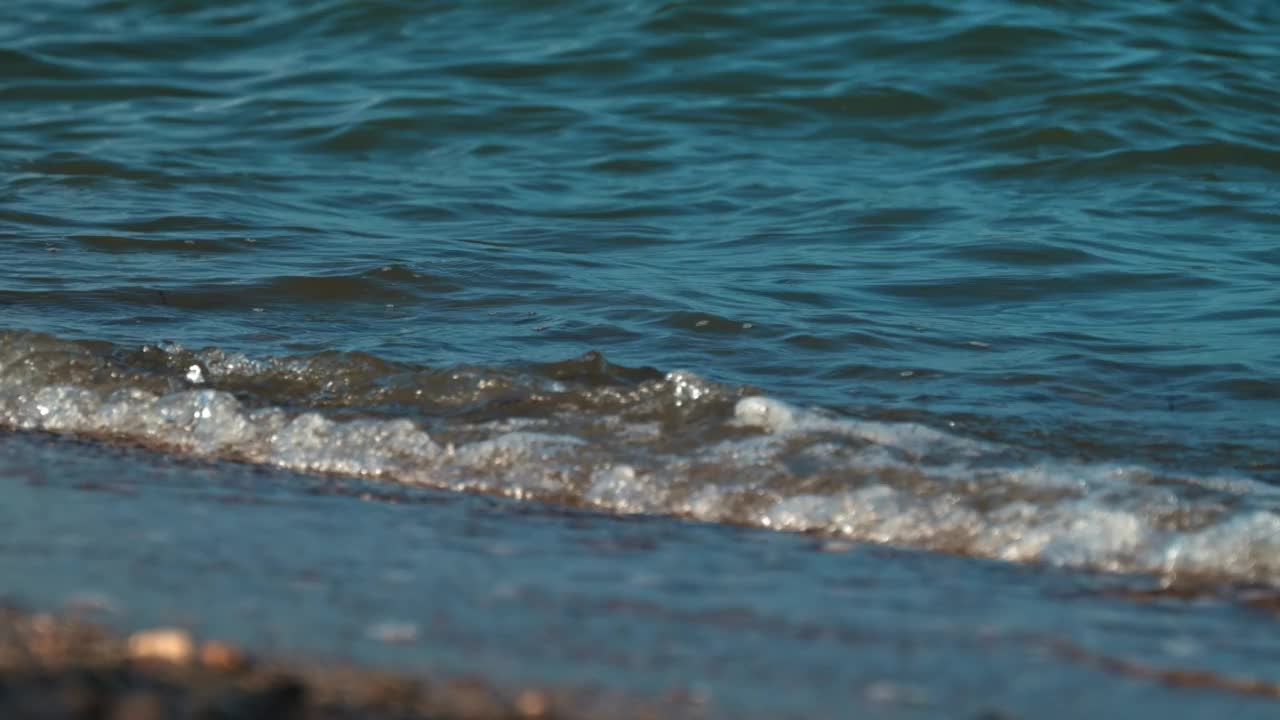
{"points": [[1055, 217]]}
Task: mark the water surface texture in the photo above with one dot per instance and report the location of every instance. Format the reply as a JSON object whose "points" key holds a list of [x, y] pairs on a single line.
{"points": [[737, 622], [993, 278]]}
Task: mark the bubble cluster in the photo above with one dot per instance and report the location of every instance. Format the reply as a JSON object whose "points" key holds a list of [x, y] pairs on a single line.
{"points": [[675, 444]]}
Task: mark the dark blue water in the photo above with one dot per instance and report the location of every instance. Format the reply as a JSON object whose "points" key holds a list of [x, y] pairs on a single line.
{"points": [[997, 279], [1060, 215]]}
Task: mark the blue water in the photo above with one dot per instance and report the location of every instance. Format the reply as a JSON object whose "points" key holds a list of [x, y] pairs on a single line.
{"points": [[730, 622], [996, 279], [1059, 215]]}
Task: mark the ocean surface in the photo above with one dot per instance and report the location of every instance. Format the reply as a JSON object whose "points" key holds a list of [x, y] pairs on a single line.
{"points": [[997, 280]]}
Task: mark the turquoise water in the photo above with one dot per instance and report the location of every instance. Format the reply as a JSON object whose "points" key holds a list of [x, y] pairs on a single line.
{"points": [[1058, 218], [996, 279]]}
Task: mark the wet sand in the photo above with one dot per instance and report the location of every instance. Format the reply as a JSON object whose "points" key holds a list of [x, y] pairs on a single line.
{"points": [[366, 599], [62, 667]]}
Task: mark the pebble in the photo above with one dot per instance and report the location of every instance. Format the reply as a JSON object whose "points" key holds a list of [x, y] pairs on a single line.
{"points": [[139, 705], [167, 644], [533, 704], [280, 699], [84, 696], [223, 657]]}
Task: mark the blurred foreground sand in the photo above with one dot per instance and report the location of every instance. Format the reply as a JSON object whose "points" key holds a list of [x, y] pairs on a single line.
{"points": [[58, 668]]}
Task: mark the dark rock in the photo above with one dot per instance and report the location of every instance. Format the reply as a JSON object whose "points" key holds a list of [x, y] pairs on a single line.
{"points": [[281, 699], [140, 705], [84, 695]]}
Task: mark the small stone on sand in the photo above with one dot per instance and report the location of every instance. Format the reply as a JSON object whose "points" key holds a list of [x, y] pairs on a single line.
{"points": [[168, 644], [223, 657], [533, 704], [139, 705]]}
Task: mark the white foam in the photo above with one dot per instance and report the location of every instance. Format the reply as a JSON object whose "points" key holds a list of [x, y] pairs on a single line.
{"points": [[764, 413], [357, 447], [757, 460], [776, 416], [686, 388], [620, 488]]}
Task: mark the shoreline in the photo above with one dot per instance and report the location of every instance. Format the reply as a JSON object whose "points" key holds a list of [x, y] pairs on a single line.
{"points": [[258, 594], [58, 666]]}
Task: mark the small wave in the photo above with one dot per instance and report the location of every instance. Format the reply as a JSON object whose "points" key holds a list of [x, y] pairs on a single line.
{"points": [[18, 64], [585, 432], [1211, 157]]}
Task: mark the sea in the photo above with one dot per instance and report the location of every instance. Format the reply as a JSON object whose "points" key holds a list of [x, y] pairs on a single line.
{"points": [[880, 359]]}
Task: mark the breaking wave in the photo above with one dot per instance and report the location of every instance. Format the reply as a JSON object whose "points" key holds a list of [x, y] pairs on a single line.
{"points": [[636, 440]]}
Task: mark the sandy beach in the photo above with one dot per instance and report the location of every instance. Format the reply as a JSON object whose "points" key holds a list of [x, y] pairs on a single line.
{"points": [[56, 668]]}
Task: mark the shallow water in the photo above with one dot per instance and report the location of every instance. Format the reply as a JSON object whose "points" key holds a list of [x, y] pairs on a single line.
{"points": [[997, 280], [741, 622]]}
